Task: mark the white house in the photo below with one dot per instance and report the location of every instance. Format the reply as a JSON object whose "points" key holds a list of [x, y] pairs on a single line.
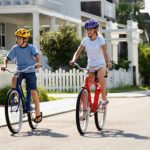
{"points": [[38, 13], [52, 13]]}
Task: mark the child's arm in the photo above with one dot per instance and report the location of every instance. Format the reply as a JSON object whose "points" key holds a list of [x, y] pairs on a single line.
{"points": [[37, 60], [5, 64]]}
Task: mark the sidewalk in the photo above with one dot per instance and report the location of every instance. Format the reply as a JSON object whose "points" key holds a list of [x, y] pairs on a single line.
{"points": [[68, 103], [110, 95]]}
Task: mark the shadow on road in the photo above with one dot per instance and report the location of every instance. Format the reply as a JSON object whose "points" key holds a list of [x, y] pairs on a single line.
{"points": [[40, 132], [115, 133]]}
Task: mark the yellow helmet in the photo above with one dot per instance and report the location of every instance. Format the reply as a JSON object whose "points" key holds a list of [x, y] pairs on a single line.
{"points": [[23, 33]]}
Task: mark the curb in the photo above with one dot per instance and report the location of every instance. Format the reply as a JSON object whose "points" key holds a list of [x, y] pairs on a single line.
{"points": [[45, 116]]}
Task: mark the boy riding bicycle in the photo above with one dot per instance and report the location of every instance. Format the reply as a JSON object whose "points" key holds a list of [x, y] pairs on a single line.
{"points": [[26, 55], [95, 46]]}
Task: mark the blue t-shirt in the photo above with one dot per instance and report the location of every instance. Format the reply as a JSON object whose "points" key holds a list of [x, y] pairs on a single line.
{"points": [[25, 57]]}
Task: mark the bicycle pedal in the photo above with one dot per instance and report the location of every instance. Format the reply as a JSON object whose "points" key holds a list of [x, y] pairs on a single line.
{"points": [[24, 115], [32, 108]]}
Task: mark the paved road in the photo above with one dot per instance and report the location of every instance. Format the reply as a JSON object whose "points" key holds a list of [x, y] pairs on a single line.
{"points": [[127, 127]]}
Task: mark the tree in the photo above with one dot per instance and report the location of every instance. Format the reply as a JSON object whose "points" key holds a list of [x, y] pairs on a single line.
{"points": [[126, 11], [144, 62], [123, 12], [60, 46]]}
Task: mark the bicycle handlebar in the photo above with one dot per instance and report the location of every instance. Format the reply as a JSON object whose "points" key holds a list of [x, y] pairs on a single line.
{"points": [[24, 70], [80, 68]]}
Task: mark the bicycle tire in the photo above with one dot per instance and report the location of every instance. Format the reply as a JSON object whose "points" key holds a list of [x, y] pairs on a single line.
{"points": [[13, 106], [82, 124], [31, 115], [100, 118]]}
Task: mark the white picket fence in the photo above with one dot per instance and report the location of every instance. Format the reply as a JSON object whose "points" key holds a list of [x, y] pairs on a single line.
{"points": [[60, 80], [74, 79]]}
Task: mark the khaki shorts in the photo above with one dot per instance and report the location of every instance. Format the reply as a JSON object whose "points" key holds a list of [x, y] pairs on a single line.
{"points": [[95, 68]]}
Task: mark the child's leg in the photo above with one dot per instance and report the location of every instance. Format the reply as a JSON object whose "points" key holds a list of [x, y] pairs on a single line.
{"points": [[31, 84], [84, 97], [36, 100], [102, 81], [14, 82]]}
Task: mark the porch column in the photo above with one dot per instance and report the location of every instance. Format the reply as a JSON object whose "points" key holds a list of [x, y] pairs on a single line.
{"points": [[53, 24], [133, 35], [102, 8], [108, 38], [79, 31], [36, 28], [114, 43]]}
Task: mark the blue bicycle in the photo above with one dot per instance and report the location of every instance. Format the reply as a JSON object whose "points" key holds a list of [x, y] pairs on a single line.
{"points": [[18, 106]]}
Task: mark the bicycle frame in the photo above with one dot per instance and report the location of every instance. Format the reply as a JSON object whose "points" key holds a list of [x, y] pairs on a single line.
{"points": [[15, 97], [88, 83], [26, 105], [88, 106]]}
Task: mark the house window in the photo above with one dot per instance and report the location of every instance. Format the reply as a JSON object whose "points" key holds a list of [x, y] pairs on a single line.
{"points": [[91, 7], [2, 35], [111, 1], [26, 2], [7, 2]]}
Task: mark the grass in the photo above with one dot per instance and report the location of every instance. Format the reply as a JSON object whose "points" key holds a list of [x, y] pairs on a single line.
{"points": [[128, 89]]}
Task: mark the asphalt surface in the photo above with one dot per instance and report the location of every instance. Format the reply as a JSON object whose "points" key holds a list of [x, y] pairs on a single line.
{"points": [[127, 128], [67, 103]]}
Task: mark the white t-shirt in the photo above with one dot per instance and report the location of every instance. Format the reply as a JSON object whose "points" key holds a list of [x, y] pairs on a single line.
{"points": [[94, 51]]}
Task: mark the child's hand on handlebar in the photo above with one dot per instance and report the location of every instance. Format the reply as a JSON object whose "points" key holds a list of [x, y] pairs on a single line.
{"points": [[109, 65], [38, 65], [71, 62]]}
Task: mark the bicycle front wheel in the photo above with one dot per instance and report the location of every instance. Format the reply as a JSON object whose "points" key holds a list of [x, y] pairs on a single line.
{"points": [[82, 111], [13, 111], [100, 117], [32, 115]]}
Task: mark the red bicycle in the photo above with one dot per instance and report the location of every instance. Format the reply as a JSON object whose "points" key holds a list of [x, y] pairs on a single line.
{"points": [[89, 105]]}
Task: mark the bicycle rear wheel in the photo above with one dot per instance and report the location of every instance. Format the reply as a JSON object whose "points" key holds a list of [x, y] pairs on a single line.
{"points": [[32, 115], [13, 111], [82, 111], [100, 117]]}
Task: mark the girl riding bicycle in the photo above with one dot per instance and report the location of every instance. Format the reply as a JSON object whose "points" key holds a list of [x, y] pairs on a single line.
{"points": [[26, 55], [95, 47]]}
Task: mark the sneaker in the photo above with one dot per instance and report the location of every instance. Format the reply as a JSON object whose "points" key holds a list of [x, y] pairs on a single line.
{"points": [[83, 116], [103, 104]]}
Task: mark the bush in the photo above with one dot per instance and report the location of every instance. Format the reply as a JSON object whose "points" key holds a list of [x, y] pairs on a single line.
{"points": [[43, 94], [1, 61], [60, 46], [123, 63], [3, 93], [144, 62]]}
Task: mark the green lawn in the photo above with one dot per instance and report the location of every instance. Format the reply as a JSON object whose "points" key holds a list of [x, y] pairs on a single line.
{"points": [[116, 90], [128, 89]]}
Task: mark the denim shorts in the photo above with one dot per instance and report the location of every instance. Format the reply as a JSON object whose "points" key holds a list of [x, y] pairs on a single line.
{"points": [[30, 79]]}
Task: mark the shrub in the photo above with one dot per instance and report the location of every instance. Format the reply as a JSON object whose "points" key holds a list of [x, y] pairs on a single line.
{"points": [[3, 93], [144, 62], [123, 63], [43, 94], [60, 46]]}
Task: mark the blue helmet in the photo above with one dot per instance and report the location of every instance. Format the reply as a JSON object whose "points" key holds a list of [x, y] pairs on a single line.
{"points": [[91, 24]]}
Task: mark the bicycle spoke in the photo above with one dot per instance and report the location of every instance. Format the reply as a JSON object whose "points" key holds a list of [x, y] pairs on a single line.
{"points": [[100, 117], [13, 111], [82, 111]]}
